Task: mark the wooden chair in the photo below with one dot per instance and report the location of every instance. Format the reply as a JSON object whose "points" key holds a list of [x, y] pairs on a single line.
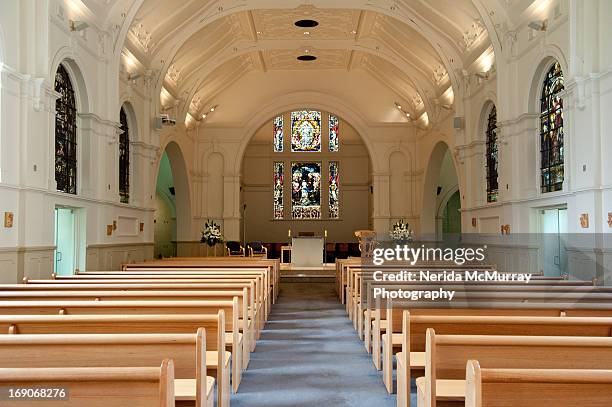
{"points": [[234, 249], [96, 386], [492, 387], [257, 249]]}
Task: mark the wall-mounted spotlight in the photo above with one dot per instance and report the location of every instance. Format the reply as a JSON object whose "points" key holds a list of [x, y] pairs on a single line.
{"points": [[78, 25], [213, 108], [538, 25]]}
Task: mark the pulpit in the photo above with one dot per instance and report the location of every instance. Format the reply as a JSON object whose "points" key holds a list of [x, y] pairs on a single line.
{"points": [[307, 251]]}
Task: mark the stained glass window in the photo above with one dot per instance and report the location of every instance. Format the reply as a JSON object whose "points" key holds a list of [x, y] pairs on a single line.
{"points": [[279, 182], [334, 134], [334, 190], [306, 131], [551, 131], [278, 134], [306, 190], [492, 156], [124, 158], [65, 134]]}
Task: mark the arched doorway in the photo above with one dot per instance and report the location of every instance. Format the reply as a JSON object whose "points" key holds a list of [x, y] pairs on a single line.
{"points": [[172, 204], [440, 214]]}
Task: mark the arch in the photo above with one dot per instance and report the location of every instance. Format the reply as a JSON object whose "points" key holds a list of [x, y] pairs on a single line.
{"points": [[311, 100], [180, 176], [72, 64], [549, 56], [429, 207]]}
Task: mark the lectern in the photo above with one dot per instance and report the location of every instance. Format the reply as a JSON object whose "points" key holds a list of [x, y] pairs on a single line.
{"points": [[307, 251]]}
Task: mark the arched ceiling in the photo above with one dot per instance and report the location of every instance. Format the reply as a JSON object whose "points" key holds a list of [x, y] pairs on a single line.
{"points": [[414, 51]]}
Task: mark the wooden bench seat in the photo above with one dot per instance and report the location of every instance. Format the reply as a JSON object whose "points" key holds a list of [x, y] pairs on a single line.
{"points": [[133, 324], [494, 387], [255, 297], [187, 351], [421, 328], [236, 342], [97, 386]]}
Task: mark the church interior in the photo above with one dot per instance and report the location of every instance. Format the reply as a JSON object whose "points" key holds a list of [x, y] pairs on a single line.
{"points": [[211, 191]]}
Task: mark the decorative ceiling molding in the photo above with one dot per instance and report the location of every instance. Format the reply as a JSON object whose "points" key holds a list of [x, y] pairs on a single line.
{"points": [[472, 35], [141, 36]]}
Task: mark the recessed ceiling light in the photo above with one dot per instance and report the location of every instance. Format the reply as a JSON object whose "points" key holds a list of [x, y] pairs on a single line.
{"points": [[307, 58], [306, 23]]}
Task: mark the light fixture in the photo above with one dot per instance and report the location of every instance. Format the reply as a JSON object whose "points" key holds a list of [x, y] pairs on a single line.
{"points": [[78, 25], [259, 32], [401, 109], [484, 75], [212, 109], [538, 25], [204, 116], [354, 32], [133, 76], [306, 32]]}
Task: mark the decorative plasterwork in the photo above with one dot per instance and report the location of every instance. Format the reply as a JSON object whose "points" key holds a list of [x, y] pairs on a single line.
{"points": [[174, 74], [439, 74], [471, 35], [142, 36]]}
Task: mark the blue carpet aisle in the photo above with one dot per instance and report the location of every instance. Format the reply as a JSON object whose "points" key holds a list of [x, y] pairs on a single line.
{"points": [[310, 355]]}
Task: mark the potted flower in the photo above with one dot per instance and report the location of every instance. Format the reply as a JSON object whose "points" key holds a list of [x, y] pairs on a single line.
{"points": [[400, 232], [211, 234]]}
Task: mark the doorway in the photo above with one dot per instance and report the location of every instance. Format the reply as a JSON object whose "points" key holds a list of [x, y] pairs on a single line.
{"points": [[553, 228], [69, 250]]}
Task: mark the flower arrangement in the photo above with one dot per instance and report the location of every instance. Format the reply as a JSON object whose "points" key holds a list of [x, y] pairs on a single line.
{"points": [[400, 232], [211, 235]]}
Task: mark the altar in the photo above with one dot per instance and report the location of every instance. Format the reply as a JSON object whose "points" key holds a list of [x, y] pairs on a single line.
{"points": [[307, 251]]}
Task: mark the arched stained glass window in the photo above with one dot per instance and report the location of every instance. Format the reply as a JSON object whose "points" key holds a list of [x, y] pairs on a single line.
{"points": [[306, 131], [124, 158], [65, 133], [551, 131], [492, 156]]}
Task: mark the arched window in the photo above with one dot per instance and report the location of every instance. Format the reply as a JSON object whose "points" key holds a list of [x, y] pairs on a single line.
{"points": [[124, 158], [551, 131], [65, 134], [307, 176], [492, 156]]}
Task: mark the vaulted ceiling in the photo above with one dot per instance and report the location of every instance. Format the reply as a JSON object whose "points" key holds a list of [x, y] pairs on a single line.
{"points": [[416, 50]]}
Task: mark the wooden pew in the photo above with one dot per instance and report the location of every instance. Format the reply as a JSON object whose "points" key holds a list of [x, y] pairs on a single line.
{"points": [[233, 339], [414, 339], [537, 387], [217, 359], [509, 309], [446, 357], [466, 302], [96, 386], [371, 308], [168, 279], [214, 262], [255, 312], [245, 321], [187, 351]]}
